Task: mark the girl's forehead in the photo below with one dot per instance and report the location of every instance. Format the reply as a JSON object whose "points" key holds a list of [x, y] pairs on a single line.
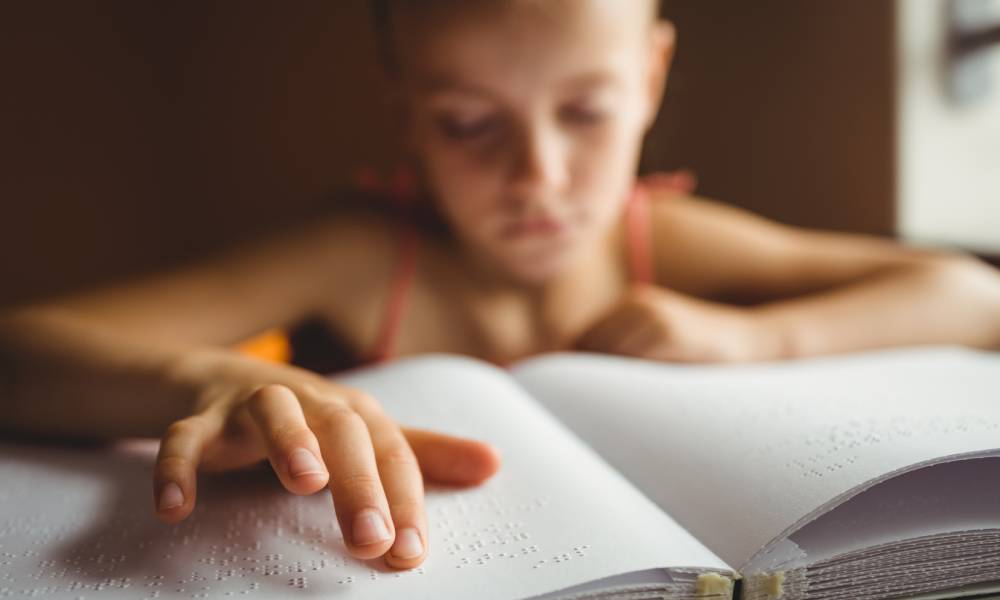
{"points": [[569, 43]]}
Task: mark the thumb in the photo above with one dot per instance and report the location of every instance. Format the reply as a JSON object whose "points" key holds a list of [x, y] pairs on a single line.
{"points": [[452, 460]]}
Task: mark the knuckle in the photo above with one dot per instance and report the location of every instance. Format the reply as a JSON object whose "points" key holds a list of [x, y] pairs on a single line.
{"points": [[170, 465], [309, 389], [357, 482], [363, 401], [184, 427], [272, 389], [399, 456], [660, 327], [335, 418], [406, 508], [290, 436], [637, 301], [267, 393], [646, 309], [329, 413]]}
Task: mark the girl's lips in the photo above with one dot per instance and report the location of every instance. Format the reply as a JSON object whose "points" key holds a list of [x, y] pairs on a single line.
{"points": [[533, 228]]}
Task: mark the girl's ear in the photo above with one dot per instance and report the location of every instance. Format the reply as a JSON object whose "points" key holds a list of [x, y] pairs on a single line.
{"points": [[663, 40]]}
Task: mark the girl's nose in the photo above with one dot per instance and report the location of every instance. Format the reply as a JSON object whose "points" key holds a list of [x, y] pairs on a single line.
{"points": [[540, 166]]}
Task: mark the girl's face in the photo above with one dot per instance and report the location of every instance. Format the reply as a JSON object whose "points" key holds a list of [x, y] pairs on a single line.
{"points": [[528, 117]]}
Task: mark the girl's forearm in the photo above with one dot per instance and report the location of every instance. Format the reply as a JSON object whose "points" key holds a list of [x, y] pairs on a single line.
{"points": [[954, 300], [63, 375]]}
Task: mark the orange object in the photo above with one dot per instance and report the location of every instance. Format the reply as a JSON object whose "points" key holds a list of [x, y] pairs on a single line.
{"points": [[272, 345]]}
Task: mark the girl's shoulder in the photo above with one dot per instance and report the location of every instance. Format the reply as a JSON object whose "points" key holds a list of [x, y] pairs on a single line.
{"points": [[358, 240], [701, 246]]}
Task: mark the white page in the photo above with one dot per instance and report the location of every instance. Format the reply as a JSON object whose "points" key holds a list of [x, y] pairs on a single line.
{"points": [[740, 454], [77, 523]]}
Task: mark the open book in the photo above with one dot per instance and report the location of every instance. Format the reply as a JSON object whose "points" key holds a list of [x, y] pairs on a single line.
{"points": [[865, 476]]}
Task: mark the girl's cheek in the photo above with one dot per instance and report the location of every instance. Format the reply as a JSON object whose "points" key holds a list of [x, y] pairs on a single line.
{"points": [[459, 174], [464, 184], [450, 154], [601, 159]]}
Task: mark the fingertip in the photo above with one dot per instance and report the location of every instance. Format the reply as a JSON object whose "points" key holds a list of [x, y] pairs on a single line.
{"points": [[302, 472], [452, 460], [369, 552], [402, 564], [495, 458], [172, 504], [485, 462], [173, 516], [307, 484], [474, 463], [409, 549], [370, 535]]}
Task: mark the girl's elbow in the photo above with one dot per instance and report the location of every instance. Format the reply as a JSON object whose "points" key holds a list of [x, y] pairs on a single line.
{"points": [[975, 287], [968, 272]]}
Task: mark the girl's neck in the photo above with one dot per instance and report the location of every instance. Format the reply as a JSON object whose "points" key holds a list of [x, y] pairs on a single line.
{"points": [[547, 315]]}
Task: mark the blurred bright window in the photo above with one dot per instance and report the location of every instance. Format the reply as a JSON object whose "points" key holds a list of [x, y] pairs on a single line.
{"points": [[949, 126]]}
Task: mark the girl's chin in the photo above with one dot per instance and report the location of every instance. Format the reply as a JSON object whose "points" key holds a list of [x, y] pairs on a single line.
{"points": [[538, 270], [534, 261]]}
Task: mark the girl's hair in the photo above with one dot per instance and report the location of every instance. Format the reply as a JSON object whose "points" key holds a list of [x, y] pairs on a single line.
{"points": [[382, 19]]}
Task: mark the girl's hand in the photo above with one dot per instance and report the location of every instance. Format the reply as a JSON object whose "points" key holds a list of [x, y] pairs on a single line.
{"points": [[315, 433], [659, 324]]}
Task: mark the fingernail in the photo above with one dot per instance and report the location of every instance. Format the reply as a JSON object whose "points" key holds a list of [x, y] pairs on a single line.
{"points": [[408, 544], [302, 462], [369, 528], [171, 496]]}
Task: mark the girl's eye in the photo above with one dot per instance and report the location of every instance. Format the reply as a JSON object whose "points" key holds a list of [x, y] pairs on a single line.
{"points": [[466, 129], [583, 115]]}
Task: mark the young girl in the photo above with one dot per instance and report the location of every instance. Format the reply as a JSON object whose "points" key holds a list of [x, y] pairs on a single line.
{"points": [[525, 119]]}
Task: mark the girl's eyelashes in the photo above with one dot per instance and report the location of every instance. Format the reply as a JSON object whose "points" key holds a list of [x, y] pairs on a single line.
{"points": [[582, 114], [464, 129], [482, 126]]}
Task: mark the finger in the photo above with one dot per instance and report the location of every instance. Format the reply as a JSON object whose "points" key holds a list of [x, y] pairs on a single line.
{"points": [[291, 446], [175, 473], [403, 482], [358, 495], [639, 341], [609, 334], [603, 334], [452, 460]]}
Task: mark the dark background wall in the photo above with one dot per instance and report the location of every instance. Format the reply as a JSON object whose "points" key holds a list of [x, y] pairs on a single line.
{"points": [[786, 107], [135, 134]]}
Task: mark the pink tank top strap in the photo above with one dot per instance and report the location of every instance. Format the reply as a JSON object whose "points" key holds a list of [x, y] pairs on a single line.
{"points": [[638, 234], [401, 190], [638, 220], [402, 280]]}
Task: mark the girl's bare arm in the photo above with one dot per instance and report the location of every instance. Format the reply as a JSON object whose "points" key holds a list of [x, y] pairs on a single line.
{"points": [[237, 293], [816, 292], [99, 362]]}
